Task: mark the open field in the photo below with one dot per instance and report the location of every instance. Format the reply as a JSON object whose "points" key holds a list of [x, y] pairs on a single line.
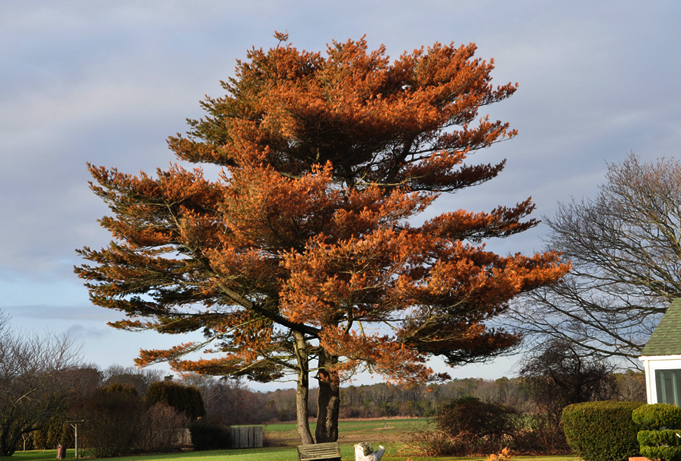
{"points": [[283, 437], [382, 431]]}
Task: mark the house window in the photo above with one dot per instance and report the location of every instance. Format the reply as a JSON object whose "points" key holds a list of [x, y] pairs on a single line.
{"points": [[668, 383]]}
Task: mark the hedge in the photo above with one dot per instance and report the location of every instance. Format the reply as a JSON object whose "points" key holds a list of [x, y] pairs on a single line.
{"points": [[602, 431], [207, 436], [669, 437], [658, 416], [660, 440], [662, 453], [184, 399]]}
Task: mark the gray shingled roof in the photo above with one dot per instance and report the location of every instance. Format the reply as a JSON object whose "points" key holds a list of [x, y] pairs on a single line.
{"points": [[666, 339]]}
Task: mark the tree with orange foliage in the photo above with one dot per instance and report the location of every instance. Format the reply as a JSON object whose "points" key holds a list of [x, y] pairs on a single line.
{"points": [[301, 258]]}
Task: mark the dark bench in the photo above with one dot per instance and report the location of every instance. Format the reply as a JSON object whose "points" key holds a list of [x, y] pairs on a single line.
{"points": [[319, 451]]}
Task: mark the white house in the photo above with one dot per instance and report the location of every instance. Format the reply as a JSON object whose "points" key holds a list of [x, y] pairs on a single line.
{"points": [[661, 358]]}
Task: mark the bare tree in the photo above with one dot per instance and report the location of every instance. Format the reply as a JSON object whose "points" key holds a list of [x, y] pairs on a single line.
{"points": [[31, 386], [558, 375], [625, 248], [160, 429], [232, 402]]}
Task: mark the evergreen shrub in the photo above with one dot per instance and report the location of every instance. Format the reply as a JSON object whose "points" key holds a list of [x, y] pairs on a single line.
{"points": [[662, 453], [669, 437], [208, 435], [185, 399], [114, 417], [658, 416], [602, 431], [659, 440]]}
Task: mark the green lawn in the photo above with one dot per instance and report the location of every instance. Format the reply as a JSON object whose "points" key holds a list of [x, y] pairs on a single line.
{"points": [[261, 454], [388, 432]]}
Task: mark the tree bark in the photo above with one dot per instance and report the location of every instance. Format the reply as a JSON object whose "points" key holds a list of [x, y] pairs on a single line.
{"points": [[302, 389], [328, 400]]}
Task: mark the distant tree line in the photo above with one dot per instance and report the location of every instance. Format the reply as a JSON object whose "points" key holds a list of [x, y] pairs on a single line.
{"points": [[234, 403], [123, 410]]}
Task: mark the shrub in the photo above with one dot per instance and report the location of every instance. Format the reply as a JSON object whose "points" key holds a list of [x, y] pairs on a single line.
{"points": [[602, 431], [659, 440], [470, 415], [658, 416], [540, 435], [114, 419], [664, 445], [185, 399], [118, 421], [428, 444], [524, 434], [473, 426], [662, 453], [669, 437], [161, 428], [208, 435]]}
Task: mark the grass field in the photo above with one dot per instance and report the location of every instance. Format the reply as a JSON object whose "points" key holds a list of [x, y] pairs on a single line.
{"points": [[384, 431], [261, 454], [354, 424], [387, 432]]}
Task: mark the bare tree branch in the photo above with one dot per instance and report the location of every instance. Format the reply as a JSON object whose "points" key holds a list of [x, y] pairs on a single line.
{"points": [[625, 248], [31, 386]]}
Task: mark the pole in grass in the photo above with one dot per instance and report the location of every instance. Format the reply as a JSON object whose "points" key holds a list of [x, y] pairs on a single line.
{"points": [[74, 425]]}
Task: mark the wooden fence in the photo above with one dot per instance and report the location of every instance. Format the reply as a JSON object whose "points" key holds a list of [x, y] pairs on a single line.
{"points": [[246, 437], [239, 437], [183, 437]]}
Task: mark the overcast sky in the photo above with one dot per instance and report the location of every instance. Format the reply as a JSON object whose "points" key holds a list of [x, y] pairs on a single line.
{"points": [[107, 81]]}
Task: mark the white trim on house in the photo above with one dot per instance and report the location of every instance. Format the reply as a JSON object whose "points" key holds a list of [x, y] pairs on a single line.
{"points": [[658, 362]]}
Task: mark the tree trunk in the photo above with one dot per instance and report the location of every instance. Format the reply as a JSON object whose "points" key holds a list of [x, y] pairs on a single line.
{"points": [[3, 442], [8, 442], [302, 389], [328, 400]]}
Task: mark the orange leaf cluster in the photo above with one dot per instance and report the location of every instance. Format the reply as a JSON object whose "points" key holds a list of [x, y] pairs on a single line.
{"points": [[307, 232]]}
